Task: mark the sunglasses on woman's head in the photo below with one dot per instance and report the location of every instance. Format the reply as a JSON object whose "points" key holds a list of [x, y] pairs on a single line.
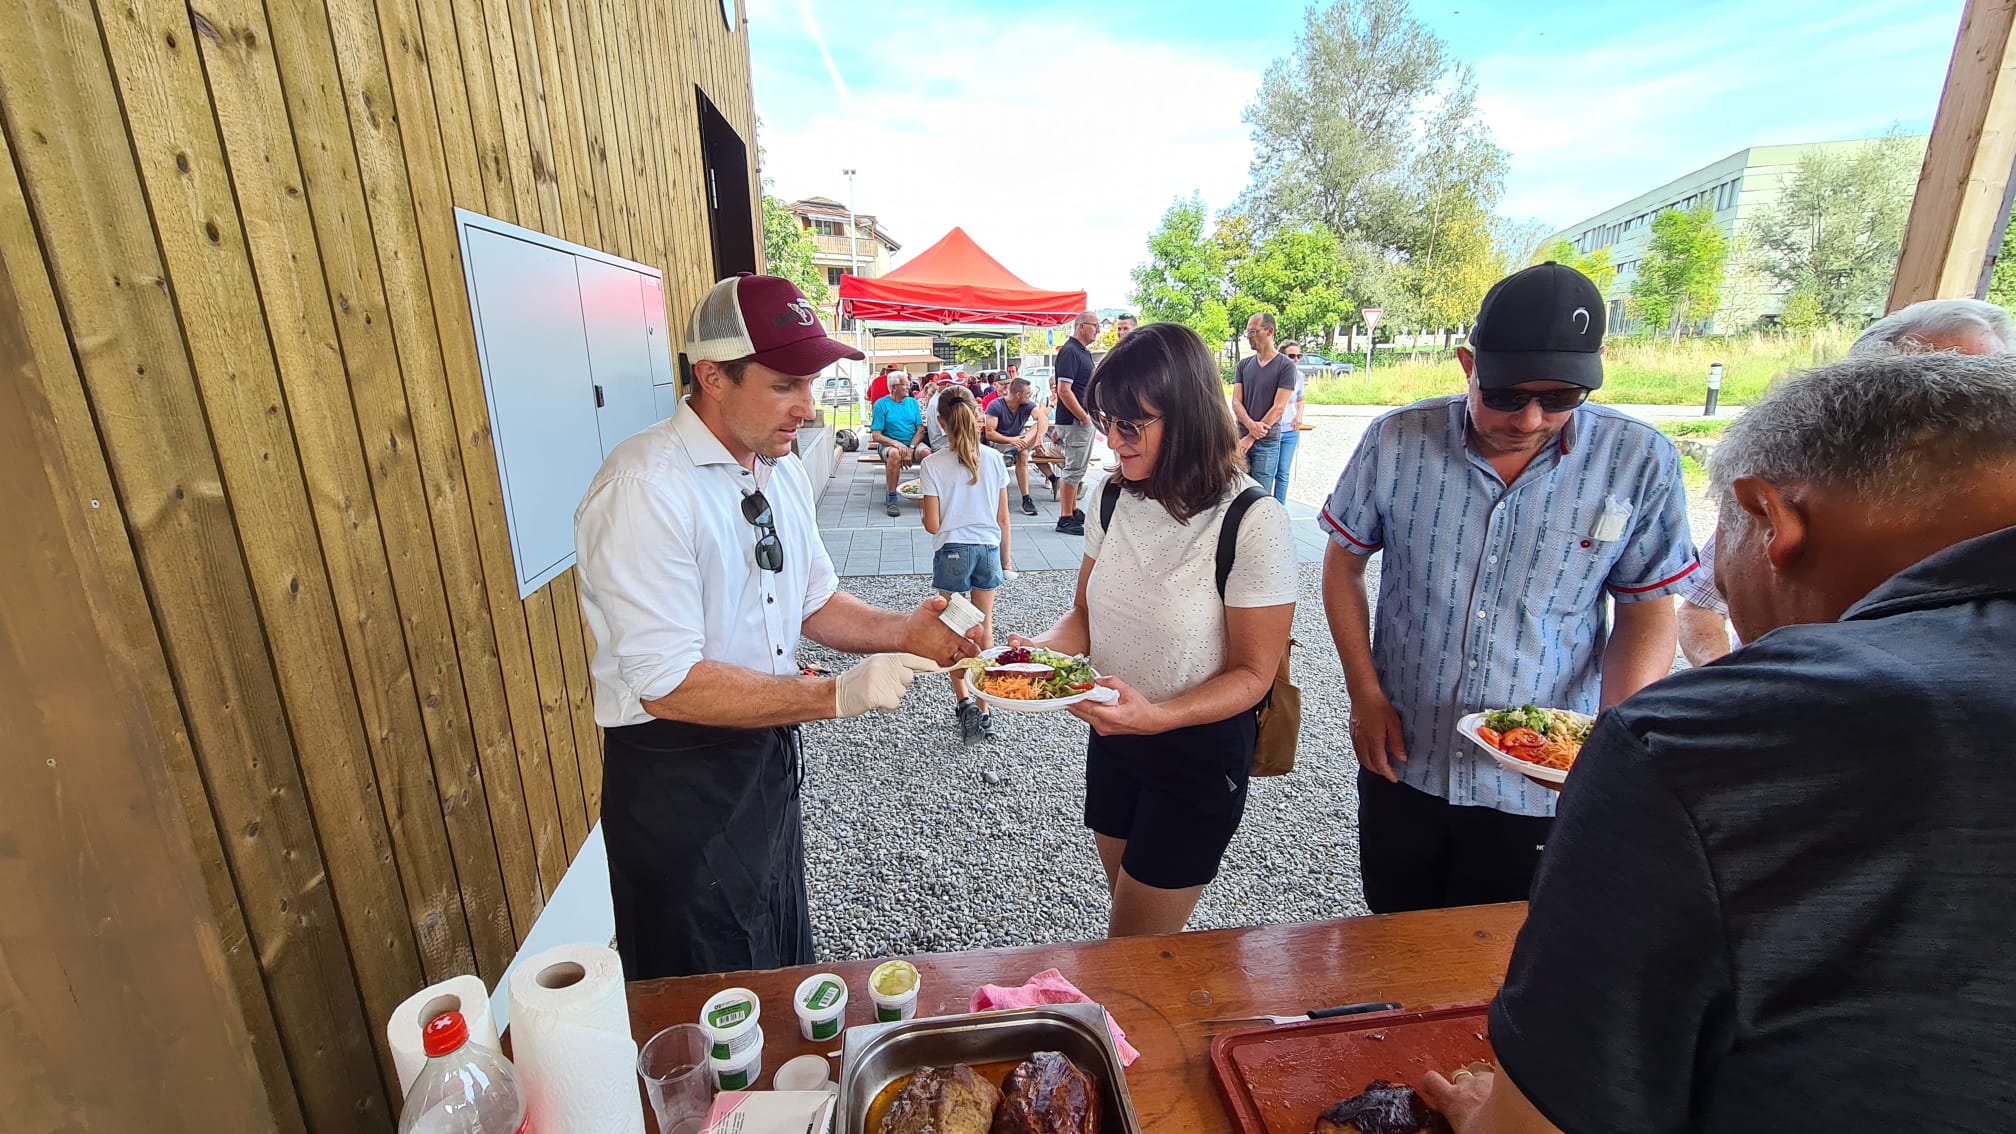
{"points": [[1551, 401], [769, 549], [1128, 432]]}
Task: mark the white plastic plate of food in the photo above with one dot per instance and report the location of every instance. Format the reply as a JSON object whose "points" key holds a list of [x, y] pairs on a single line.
{"points": [[1551, 761], [1057, 681], [912, 489]]}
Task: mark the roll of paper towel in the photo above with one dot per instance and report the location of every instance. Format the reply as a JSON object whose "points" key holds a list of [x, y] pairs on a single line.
{"points": [[464, 994], [570, 1038]]}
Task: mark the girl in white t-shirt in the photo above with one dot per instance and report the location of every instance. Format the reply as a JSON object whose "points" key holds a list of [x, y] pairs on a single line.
{"points": [[1167, 765], [965, 491]]}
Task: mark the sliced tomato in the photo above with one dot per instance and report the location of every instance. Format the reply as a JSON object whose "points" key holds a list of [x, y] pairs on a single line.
{"points": [[1086, 687], [1520, 738], [1489, 736]]}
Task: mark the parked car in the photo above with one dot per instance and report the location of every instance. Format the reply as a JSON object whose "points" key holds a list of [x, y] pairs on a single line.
{"points": [[838, 391], [1316, 366]]}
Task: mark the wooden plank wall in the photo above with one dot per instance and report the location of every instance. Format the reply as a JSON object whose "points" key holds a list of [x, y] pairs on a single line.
{"points": [[228, 227]]}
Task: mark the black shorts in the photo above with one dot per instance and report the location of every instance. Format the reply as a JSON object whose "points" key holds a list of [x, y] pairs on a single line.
{"points": [[1176, 798]]}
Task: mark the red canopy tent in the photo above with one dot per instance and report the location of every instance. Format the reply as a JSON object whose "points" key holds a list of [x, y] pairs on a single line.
{"points": [[956, 285]]}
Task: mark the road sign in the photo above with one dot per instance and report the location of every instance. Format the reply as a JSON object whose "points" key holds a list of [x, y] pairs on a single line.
{"points": [[1372, 315]]}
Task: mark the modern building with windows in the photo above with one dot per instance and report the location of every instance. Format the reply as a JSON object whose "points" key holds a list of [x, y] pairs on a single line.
{"points": [[1737, 188], [863, 250]]}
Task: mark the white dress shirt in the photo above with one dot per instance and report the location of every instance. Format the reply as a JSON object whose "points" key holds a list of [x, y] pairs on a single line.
{"points": [[667, 565]]}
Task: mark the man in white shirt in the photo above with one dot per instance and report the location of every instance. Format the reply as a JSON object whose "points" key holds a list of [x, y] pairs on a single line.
{"points": [[700, 567]]}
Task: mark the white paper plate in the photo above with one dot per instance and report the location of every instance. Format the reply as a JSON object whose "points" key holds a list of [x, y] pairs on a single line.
{"points": [[1468, 726], [1051, 705], [913, 489]]}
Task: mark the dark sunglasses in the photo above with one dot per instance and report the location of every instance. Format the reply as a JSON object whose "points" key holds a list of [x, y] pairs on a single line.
{"points": [[1126, 431], [1551, 401], [769, 549]]}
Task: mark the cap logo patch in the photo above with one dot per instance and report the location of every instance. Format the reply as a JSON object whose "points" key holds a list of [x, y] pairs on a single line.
{"points": [[1581, 314], [800, 308]]}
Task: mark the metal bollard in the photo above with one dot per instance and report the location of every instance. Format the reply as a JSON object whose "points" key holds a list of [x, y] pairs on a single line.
{"points": [[1714, 389]]}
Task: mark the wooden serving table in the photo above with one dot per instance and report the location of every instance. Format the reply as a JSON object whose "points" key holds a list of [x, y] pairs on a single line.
{"points": [[1159, 989]]}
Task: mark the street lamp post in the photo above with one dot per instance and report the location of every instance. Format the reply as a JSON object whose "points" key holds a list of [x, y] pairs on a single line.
{"points": [[853, 240]]}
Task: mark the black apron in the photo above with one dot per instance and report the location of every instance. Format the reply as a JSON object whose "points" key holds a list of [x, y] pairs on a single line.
{"points": [[706, 848]]}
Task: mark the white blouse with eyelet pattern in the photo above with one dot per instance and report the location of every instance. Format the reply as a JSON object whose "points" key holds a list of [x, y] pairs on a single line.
{"points": [[1156, 619]]}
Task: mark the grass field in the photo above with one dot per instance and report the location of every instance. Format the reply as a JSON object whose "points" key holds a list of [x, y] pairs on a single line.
{"points": [[1635, 371]]}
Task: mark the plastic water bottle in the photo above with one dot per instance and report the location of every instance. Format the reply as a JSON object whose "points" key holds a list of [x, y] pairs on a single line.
{"points": [[465, 1088]]}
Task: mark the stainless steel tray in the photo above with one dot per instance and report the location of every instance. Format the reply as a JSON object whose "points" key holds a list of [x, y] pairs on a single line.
{"points": [[876, 1055]]}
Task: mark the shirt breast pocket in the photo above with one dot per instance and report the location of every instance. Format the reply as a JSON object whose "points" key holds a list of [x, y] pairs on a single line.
{"points": [[1569, 571]]}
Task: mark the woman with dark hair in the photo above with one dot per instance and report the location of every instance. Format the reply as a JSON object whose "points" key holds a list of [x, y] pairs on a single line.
{"points": [[1167, 764]]}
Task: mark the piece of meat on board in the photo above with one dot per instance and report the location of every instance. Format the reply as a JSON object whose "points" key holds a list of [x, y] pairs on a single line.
{"points": [[1381, 1108], [1048, 1094], [943, 1100]]}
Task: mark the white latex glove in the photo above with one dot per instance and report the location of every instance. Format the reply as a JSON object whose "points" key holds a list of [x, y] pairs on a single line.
{"points": [[877, 682]]}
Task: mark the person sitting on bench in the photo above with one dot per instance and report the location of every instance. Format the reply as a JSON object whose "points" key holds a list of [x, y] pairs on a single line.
{"points": [[1014, 424], [896, 426]]}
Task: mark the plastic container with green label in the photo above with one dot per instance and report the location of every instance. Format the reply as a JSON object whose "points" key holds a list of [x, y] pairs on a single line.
{"points": [[730, 1020], [822, 1006]]}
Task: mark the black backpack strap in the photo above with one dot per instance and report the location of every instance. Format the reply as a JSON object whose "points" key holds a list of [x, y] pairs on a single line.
{"points": [[1228, 533], [1109, 499]]}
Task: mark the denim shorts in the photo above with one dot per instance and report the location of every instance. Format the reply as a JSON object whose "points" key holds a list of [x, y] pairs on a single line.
{"points": [[961, 568]]}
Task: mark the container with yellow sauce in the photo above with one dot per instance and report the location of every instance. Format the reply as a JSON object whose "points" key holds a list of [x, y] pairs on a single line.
{"points": [[893, 987]]}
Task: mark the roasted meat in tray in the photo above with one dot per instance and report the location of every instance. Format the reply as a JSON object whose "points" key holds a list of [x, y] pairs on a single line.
{"points": [[944, 1100], [1048, 1094]]}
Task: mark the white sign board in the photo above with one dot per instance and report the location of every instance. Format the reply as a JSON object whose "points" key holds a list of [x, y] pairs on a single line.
{"points": [[1372, 315]]}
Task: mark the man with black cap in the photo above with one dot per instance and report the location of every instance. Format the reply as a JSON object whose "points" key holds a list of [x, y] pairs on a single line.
{"points": [[1514, 518], [701, 566]]}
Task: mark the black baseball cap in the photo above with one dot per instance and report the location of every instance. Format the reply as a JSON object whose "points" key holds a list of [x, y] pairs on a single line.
{"points": [[1543, 324]]}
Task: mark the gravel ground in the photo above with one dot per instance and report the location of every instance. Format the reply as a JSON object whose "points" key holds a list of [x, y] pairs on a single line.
{"points": [[910, 848]]}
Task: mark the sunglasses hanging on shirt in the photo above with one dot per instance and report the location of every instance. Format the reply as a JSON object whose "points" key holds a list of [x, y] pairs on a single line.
{"points": [[1551, 401], [769, 549]]}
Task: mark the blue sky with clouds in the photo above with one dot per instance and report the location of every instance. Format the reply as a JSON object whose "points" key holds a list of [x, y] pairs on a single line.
{"points": [[1099, 115]]}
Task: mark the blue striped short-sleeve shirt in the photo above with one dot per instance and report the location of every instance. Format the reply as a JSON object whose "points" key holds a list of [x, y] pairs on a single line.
{"points": [[1493, 595]]}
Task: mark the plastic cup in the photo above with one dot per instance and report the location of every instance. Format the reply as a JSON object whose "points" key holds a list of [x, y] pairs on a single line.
{"points": [[893, 987], [677, 1078], [730, 1019], [821, 1002], [740, 1071]]}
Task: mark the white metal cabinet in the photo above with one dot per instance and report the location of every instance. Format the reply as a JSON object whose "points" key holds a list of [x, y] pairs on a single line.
{"points": [[575, 359]]}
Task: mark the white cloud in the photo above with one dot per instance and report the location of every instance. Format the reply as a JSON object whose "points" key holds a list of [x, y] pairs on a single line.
{"points": [[1094, 134]]}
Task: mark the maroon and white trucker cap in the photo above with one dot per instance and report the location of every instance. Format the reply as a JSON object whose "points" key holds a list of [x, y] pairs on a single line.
{"points": [[765, 318]]}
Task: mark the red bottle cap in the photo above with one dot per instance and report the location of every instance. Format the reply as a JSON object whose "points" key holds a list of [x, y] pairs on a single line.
{"points": [[444, 1033]]}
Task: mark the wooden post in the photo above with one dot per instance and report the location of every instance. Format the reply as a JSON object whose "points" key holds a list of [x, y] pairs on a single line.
{"points": [[119, 1007], [1958, 213]]}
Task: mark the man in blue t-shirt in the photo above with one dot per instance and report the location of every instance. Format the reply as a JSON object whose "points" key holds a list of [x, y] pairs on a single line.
{"points": [[897, 427]]}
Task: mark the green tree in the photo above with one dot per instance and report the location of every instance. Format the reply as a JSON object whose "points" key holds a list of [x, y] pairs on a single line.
{"points": [[788, 250], [1445, 287], [1680, 277], [973, 352], [1596, 265], [2002, 285], [1303, 278], [1183, 279], [1372, 130], [1837, 229]]}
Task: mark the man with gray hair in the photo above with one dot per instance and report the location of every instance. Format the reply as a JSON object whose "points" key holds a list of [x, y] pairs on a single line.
{"points": [[1964, 326], [1780, 889], [1074, 425]]}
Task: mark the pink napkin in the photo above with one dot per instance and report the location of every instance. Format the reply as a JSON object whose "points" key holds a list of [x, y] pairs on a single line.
{"points": [[1049, 987]]}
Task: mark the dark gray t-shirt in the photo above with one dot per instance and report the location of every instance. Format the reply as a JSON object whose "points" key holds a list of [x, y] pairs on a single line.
{"points": [[1781, 890], [1258, 385], [1009, 421]]}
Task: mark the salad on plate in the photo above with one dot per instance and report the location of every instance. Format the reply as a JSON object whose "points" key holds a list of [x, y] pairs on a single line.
{"points": [[1548, 738], [1024, 673]]}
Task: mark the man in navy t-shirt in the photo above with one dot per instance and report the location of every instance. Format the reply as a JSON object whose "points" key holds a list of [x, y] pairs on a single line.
{"points": [[1014, 424]]}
